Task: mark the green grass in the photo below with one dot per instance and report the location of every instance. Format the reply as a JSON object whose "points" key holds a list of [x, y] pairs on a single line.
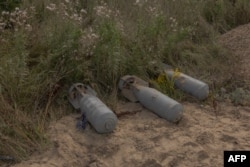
{"points": [[8, 5], [226, 14], [45, 47]]}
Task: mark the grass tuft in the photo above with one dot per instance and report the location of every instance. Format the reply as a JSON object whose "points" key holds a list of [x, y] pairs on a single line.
{"points": [[45, 46]]}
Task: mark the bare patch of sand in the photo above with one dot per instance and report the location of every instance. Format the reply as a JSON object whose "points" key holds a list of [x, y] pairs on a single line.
{"points": [[144, 139], [238, 42]]}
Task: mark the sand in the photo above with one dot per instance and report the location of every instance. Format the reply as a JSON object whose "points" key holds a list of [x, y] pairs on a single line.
{"points": [[238, 42], [143, 139]]}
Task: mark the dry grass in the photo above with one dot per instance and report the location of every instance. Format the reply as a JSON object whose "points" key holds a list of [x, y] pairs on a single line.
{"points": [[45, 46]]}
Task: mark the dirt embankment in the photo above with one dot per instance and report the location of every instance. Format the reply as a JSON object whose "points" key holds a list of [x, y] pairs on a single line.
{"points": [[238, 41], [144, 139]]}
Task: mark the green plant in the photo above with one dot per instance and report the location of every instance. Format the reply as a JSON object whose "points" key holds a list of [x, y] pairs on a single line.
{"points": [[240, 96], [226, 14], [166, 84], [45, 46], [108, 59], [35, 64], [9, 5]]}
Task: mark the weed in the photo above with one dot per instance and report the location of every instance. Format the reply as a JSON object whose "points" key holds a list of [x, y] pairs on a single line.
{"points": [[226, 14], [9, 5], [166, 84], [240, 96], [45, 46], [108, 55]]}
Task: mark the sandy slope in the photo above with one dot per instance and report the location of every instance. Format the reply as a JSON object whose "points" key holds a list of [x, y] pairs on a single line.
{"points": [[238, 41], [144, 139]]}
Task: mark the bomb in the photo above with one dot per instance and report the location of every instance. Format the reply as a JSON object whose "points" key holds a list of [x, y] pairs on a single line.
{"points": [[96, 112], [190, 85], [137, 90]]}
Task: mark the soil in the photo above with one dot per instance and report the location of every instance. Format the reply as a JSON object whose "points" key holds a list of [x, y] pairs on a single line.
{"points": [[143, 139], [238, 42]]}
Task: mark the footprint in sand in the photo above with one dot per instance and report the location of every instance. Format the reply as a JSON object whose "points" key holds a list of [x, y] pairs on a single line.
{"points": [[106, 150], [151, 163], [192, 144], [229, 139], [205, 138], [202, 155], [176, 161], [143, 146]]}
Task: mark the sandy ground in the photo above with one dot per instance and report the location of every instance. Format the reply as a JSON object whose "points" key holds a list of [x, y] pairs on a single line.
{"points": [[238, 41], [143, 139]]}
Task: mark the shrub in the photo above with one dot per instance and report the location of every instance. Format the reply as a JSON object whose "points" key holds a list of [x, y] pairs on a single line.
{"points": [[45, 46], [226, 14], [9, 5]]}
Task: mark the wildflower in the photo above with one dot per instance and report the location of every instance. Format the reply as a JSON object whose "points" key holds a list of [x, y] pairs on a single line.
{"points": [[51, 7], [24, 13], [12, 20], [33, 8], [2, 24], [28, 27], [13, 14], [83, 11], [176, 73], [63, 5], [161, 78], [94, 36], [66, 14], [1, 27], [3, 13]]}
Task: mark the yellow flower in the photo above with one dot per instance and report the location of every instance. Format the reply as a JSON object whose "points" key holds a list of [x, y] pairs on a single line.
{"points": [[176, 73], [161, 79]]}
